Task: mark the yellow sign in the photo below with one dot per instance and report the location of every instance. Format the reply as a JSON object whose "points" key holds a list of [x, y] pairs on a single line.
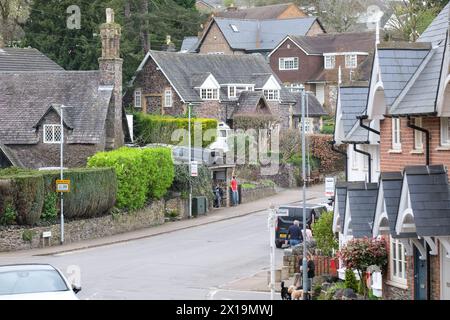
{"points": [[62, 185]]}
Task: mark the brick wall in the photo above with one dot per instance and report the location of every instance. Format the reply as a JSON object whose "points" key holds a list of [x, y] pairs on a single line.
{"points": [[315, 29], [214, 41]]}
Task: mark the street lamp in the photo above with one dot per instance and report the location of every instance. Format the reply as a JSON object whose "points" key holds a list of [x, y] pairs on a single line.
{"points": [[190, 160], [304, 263], [62, 107]]}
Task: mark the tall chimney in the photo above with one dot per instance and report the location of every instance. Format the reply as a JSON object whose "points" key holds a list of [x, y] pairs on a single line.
{"points": [[110, 65]]}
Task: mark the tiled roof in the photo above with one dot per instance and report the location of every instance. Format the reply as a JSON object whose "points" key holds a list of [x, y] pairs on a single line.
{"points": [[341, 194], [263, 12], [12, 157], [25, 59], [362, 202], [27, 96], [353, 104], [248, 102], [315, 109], [189, 44]]}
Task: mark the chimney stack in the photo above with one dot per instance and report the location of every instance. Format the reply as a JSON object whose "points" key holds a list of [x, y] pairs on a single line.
{"points": [[110, 65]]}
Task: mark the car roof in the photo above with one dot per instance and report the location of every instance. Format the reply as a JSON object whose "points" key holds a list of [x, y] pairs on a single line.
{"points": [[28, 267], [308, 205]]}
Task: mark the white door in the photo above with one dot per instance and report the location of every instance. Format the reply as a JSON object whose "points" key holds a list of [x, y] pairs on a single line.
{"points": [[445, 271]]}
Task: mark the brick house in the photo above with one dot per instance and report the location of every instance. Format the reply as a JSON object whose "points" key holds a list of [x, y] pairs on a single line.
{"points": [[166, 82], [243, 36], [274, 11], [408, 108], [31, 103], [314, 61]]}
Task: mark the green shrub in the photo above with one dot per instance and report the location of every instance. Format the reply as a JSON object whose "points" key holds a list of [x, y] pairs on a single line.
{"points": [[27, 235], [159, 129], [323, 233], [268, 183], [201, 185], [248, 186], [9, 216], [50, 208], [28, 198], [350, 280], [141, 173]]}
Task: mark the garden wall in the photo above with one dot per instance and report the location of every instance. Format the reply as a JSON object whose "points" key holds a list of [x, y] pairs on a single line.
{"points": [[12, 237], [259, 192]]}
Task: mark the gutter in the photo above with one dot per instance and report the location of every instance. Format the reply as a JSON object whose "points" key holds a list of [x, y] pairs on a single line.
{"points": [[369, 159], [362, 125], [333, 147], [427, 137]]}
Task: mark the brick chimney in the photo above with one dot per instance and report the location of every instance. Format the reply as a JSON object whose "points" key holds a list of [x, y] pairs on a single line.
{"points": [[110, 65]]}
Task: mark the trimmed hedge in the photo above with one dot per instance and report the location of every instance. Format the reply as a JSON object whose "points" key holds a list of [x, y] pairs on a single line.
{"points": [[27, 192], [159, 129], [141, 173], [201, 185]]}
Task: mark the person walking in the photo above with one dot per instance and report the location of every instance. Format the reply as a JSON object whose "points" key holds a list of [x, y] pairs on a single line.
{"points": [[294, 235], [311, 272], [234, 191], [309, 235]]}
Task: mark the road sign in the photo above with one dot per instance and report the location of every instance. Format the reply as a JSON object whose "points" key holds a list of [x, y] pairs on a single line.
{"points": [[282, 212], [329, 187], [194, 169], [62, 185]]}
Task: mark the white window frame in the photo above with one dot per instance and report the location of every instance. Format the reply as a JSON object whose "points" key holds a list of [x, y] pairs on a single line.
{"points": [[138, 98], [232, 92], [418, 135], [445, 132], [272, 94], [329, 62], [351, 61], [209, 94], [292, 61], [168, 101], [396, 134], [234, 28], [397, 258], [52, 128]]}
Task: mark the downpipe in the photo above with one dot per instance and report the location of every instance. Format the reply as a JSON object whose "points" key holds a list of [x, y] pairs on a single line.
{"points": [[369, 159], [333, 148]]}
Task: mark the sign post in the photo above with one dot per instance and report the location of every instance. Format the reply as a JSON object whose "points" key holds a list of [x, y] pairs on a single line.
{"points": [[329, 186], [194, 169]]}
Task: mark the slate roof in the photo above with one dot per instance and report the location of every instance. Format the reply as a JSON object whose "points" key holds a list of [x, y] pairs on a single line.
{"points": [[336, 42], [353, 104], [25, 59], [27, 96], [341, 194], [12, 157], [430, 199], [263, 12], [248, 102], [189, 44], [391, 183], [362, 203], [261, 35], [179, 68], [420, 94], [315, 109]]}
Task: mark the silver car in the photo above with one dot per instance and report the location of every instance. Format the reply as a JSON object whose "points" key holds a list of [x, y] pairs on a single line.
{"points": [[35, 282]]}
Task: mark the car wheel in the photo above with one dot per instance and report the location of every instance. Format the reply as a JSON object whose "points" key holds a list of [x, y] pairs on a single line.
{"points": [[278, 244]]}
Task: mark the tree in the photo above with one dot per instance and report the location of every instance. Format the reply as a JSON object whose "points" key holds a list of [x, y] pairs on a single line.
{"points": [[362, 255], [323, 234], [13, 13], [338, 15]]}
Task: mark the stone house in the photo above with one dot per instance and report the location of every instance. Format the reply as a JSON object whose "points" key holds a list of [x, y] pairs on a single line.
{"points": [[406, 119], [315, 61], [243, 36], [31, 103], [218, 86]]}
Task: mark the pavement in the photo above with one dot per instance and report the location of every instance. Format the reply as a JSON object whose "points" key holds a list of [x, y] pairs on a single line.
{"points": [[283, 197]]}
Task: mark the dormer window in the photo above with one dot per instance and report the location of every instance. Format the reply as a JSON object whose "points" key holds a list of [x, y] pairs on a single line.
{"points": [[52, 133], [351, 61], [330, 62], [209, 94], [234, 28], [272, 95], [235, 90]]}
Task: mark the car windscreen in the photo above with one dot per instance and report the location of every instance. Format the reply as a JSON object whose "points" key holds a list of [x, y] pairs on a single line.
{"points": [[31, 281]]}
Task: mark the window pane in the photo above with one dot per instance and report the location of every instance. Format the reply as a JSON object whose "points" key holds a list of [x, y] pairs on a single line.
{"points": [[57, 134]]}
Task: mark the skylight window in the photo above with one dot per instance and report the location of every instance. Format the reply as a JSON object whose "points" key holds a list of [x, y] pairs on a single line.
{"points": [[235, 29]]}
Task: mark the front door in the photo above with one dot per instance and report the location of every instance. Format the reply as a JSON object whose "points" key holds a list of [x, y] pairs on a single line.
{"points": [[445, 269], [420, 277]]}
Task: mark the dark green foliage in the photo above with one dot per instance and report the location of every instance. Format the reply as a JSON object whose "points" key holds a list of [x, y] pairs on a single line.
{"points": [[27, 235], [28, 198], [160, 129], [201, 185], [141, 173], [50, 209], [256, 121], [9, 216], [350, 280], [323, 234]]}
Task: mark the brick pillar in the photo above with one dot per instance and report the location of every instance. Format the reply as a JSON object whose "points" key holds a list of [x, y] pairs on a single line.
{"points": [[110, 65]]}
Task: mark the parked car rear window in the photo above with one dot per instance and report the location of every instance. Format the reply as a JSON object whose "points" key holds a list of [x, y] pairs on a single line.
{"points": [[31, 281]]}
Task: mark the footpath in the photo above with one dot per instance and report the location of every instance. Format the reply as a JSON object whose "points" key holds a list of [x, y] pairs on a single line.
{"points": [[287, 196]]}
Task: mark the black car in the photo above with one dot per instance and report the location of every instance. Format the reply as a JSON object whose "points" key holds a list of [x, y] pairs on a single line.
{"points": [[313, 212]]}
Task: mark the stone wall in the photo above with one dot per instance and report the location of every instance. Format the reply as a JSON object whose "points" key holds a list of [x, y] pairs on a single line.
{"points": [[12, 238], [259, 192]]}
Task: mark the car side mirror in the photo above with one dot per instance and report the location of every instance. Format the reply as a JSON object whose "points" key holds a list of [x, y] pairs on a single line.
{"points": [[76, 288]]}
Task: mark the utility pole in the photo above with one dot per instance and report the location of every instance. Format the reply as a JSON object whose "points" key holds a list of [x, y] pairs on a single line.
{"points": [[304, 263], [190, 161], [271, 226], [62, 173]]}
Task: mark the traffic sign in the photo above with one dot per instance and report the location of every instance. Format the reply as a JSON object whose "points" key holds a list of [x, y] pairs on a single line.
{"points": [[194, 169], [62, 185], [329, 187]]}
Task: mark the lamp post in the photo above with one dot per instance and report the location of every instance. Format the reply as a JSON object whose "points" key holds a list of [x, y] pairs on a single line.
{"points": [[190, 161], [62, 107], [304, 263]]}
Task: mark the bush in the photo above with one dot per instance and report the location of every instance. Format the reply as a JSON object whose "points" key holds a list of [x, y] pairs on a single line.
{"points": [[248, 186], [350, 280], [9, 216], [141, 173], [323, 234], [159, 129], [27, 235], [253, 121], [50, 208], [201, 185]]}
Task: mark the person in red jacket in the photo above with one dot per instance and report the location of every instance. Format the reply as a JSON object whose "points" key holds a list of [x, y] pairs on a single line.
{"points": [[234, 190]]}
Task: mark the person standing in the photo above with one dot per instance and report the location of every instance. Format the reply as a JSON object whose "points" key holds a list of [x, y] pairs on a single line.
{"points": [[294, 235], [234, 191], [311, 271], [309, 235]]}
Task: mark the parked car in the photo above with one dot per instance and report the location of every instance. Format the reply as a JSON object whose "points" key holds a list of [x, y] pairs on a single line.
{"points": [[35, 282], [313, 211]]}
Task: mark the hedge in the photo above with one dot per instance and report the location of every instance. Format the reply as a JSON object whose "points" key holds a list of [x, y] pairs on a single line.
{"points": [[201, 185], [141, 173], [159, 129], [25, 192]]}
